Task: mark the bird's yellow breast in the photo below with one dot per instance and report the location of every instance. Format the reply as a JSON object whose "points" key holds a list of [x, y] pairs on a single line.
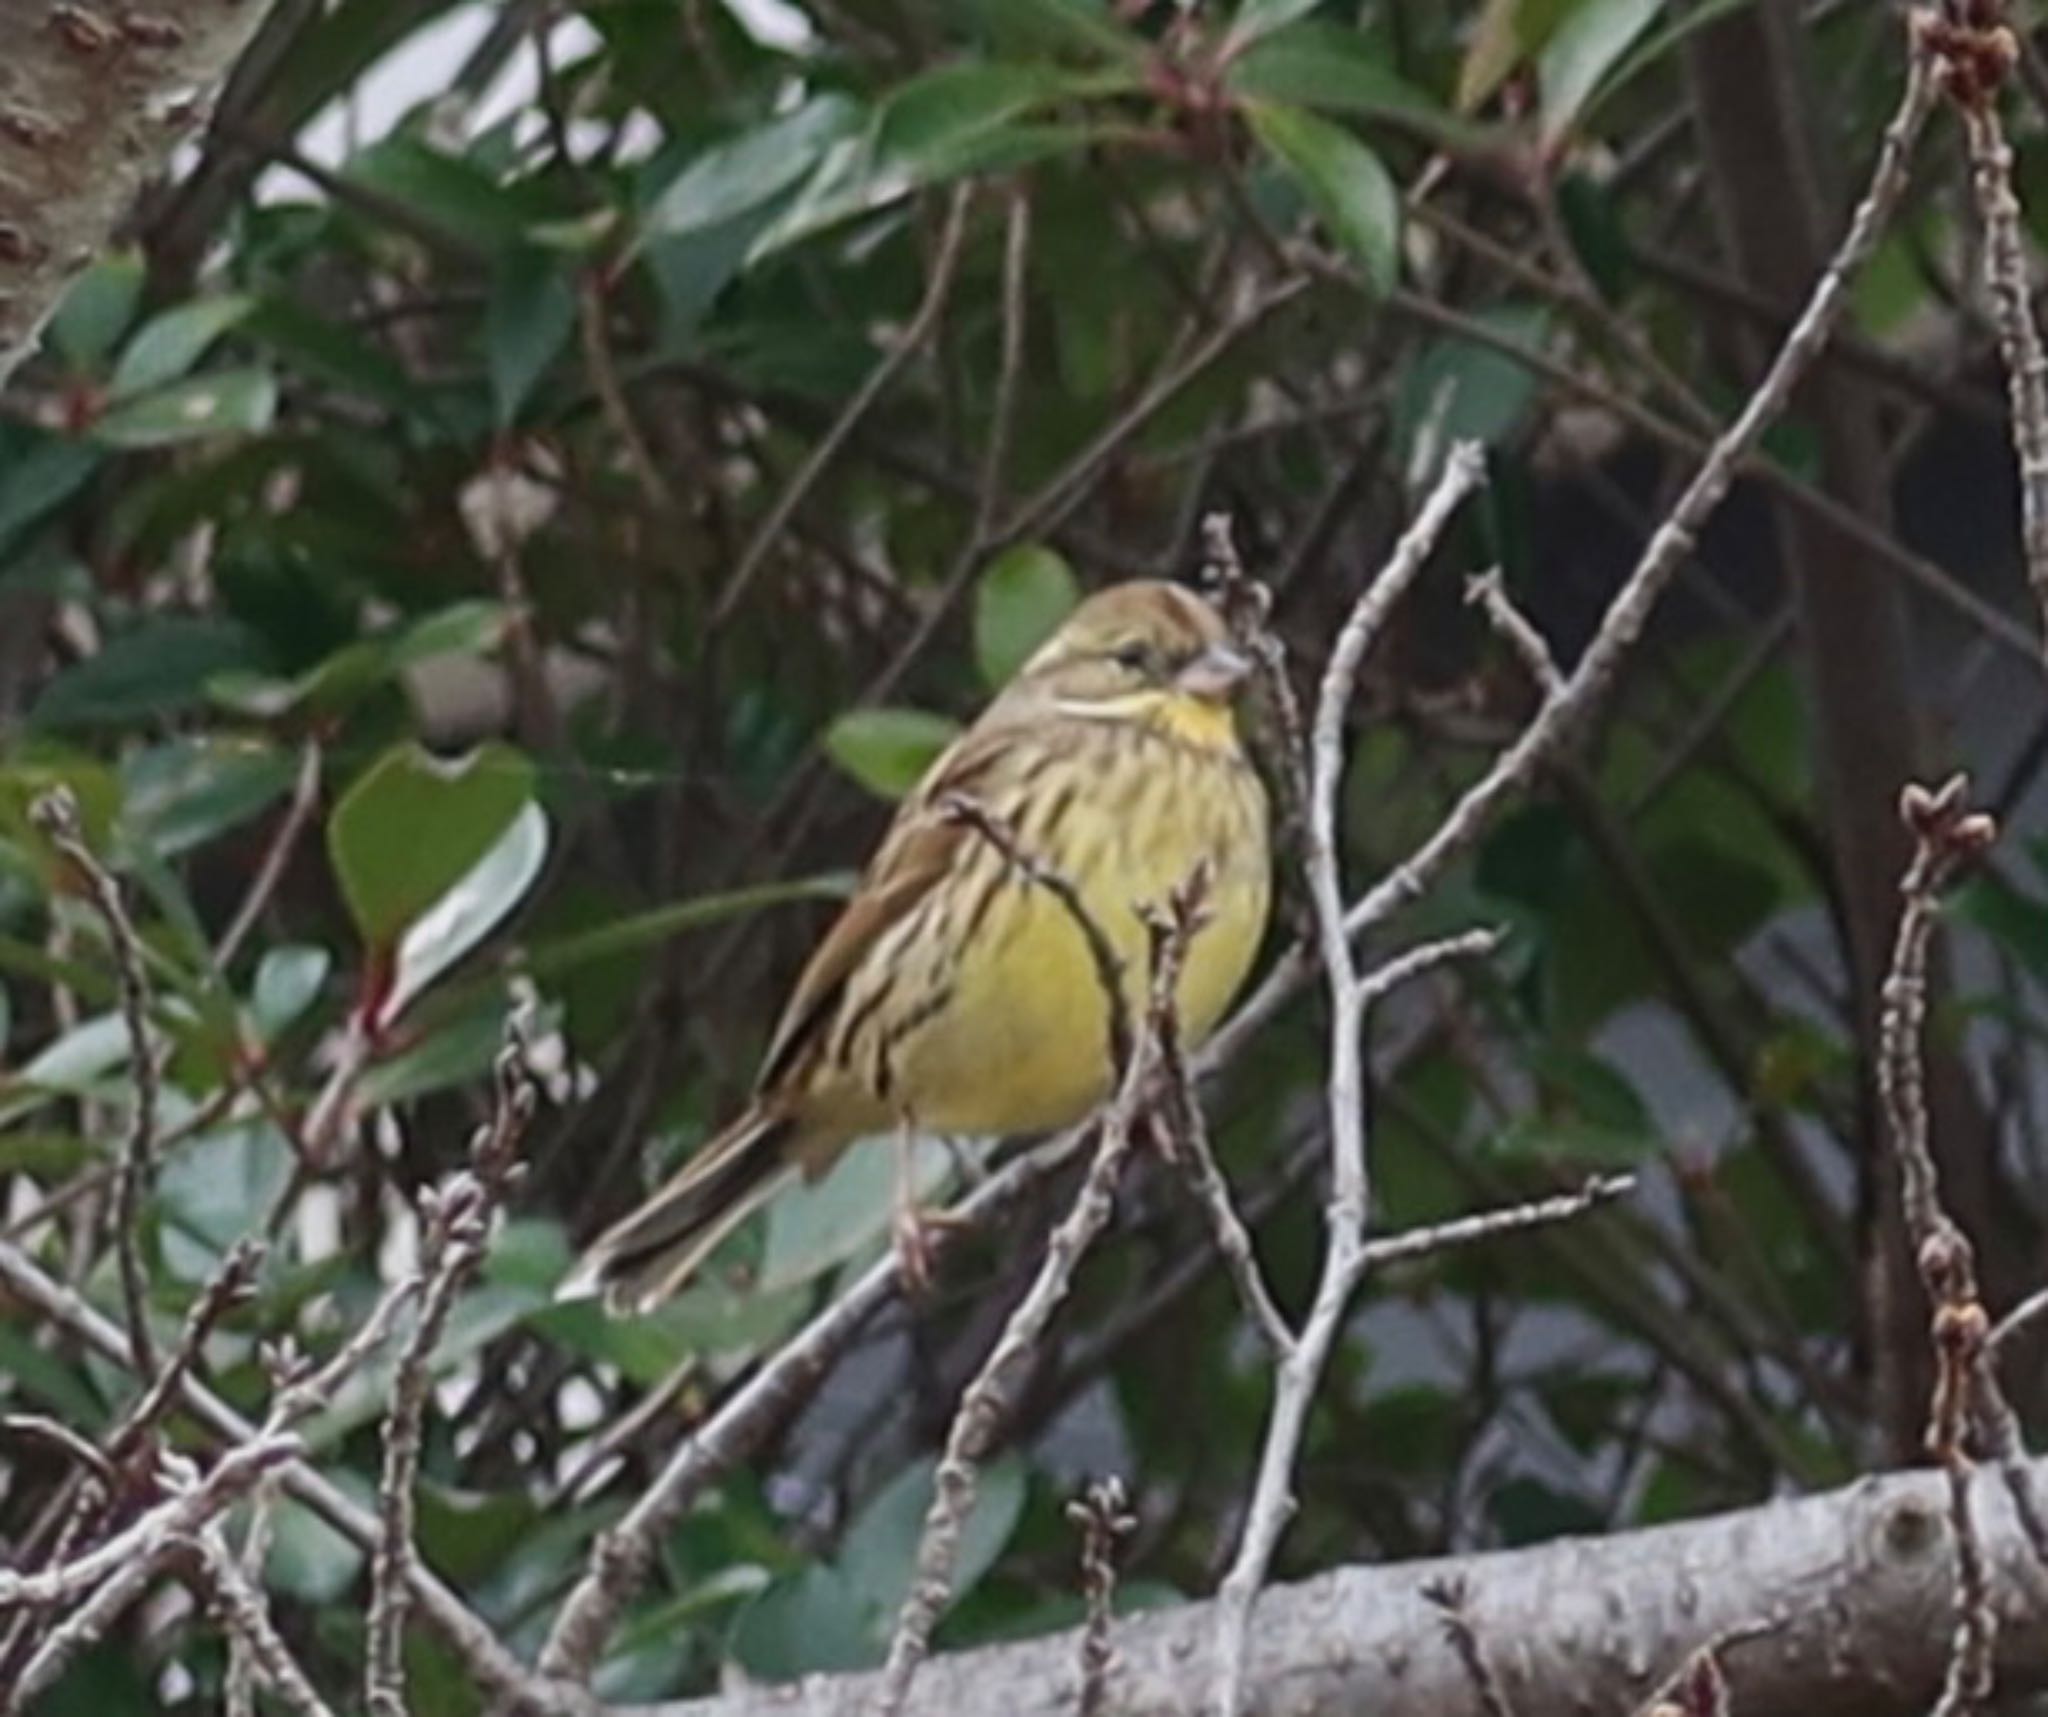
{"points": [[1021, 1043]]}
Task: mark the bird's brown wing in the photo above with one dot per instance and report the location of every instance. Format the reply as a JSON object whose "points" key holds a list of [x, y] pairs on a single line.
{"points": [[920, 849]]}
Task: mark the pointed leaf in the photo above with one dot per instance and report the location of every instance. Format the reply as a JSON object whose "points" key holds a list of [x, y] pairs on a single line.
{"points": [[1343, 181], [472, 908]]}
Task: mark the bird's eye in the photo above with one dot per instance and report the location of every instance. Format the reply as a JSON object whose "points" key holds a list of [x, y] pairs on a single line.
{"points": [[1134, 656]]}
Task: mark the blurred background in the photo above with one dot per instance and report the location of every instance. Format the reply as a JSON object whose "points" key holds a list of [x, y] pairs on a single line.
{"points": [[536, 481]]}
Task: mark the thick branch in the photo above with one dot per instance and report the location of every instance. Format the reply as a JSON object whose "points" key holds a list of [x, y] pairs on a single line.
{"points": [[93, 98], [1855, 1580]]}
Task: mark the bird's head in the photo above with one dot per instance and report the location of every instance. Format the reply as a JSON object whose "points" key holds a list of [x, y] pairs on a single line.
{"points": [[1145, 651]]}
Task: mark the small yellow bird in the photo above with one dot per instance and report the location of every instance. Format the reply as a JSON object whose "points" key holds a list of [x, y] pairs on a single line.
{"points": [[957, 996]]}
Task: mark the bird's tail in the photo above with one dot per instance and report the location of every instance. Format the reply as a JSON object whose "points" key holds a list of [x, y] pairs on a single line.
{"points": [[652, 1252]]}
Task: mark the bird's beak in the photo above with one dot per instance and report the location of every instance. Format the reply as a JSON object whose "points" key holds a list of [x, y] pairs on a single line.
{"points": [[1215, 674]]}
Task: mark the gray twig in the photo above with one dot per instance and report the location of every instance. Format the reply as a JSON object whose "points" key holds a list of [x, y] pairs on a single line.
{"points": [[55, 814], [1301, 1367], [239, 1606], [1946, 836], [2005, 277], [1560, 718], [1104, 1517], [984, 1401], [455, 1232]]}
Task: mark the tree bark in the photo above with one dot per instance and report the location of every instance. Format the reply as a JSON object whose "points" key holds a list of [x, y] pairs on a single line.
{"points": [[1855, 1588], [93, 98]]}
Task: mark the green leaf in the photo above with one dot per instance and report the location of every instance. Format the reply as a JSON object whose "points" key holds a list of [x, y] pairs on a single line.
{"points": [[837, 1616], [880, 1551], [472, 907], [740, 175], [288, 981], [216, 1189], [1083, 27], [242, 400], [1463, 390], [169, 344], [38, 473], [815, 1226], [355, 670], [529, 314], [450, 192], [97, 308], [1340, 70], [1256, 18], [888, 750], [1343, 181], [181, 794], [1023, 595], [309, 1560], [1585, 47], [157, 668], [645, 929], [414, 825]]}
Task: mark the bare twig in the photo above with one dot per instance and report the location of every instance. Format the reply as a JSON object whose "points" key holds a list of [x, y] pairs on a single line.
{"points": [[1416, 1243], [1104, 1517], [277, 856], [2017, 1322], [1559, 719], [1246, 604], [101, 1583], [1301, 1367], [232, 1285], [484, 1657], [938, 286], [621, 1558], [1946, 836], [1453, 1601], [244, 1615], [238, 1687], [55, 814], [456, 1229], [1188, 1133], [1973, 60], [983, 1402], [1489, 594]]}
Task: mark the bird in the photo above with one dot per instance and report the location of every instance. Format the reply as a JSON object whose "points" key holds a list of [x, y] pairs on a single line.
{"points": [[955, 995]]}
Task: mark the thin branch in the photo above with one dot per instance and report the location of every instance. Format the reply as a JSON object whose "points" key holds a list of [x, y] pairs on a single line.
{"points": [[1300, 1369], [2007, 284], [456, 1230], [938, 286], [101, 1583], [622, 1557], [1560, 718], [1104, 1517], [243, 1612], [1946, 835], [1414, 1243], [1489, 594], [238, 1689], [484, 1656], [983, 1403], [232, 1285], [55, 814], [277, 855]]}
